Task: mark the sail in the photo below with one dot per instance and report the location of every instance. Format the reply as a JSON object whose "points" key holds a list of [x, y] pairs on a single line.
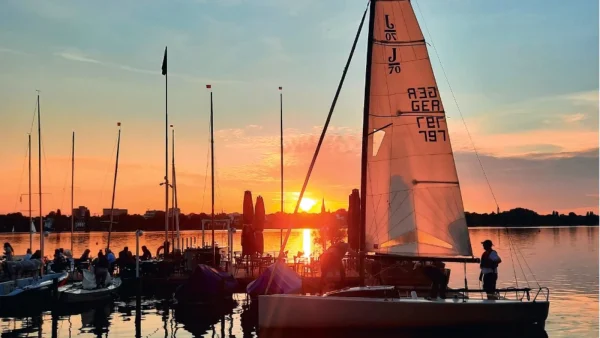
{"points": [[32, 228], [413, 199]]}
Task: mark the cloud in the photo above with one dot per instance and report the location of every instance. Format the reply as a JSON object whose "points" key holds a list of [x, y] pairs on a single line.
{"points": [[76, 56], [13, 51], [576, 117], [73, 54]]}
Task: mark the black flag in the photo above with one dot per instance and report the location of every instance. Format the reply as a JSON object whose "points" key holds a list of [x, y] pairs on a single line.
{"points": [[164, 65]]}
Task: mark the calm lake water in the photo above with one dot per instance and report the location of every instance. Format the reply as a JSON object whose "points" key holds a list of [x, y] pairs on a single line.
{"points": [[563, 259]]}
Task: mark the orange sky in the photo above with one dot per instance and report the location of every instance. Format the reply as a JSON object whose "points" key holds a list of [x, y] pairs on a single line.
{"points": [[530, 104]]}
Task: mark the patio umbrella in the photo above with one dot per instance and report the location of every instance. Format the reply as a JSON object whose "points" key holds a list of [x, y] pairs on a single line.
{"points": [[259, 224], [248, 245]]}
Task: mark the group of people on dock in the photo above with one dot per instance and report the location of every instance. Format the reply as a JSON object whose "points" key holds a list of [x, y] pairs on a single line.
{"points": [[104, 263]]}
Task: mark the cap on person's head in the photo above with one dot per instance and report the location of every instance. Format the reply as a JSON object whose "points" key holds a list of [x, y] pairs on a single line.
{"points": [[487, 242]]}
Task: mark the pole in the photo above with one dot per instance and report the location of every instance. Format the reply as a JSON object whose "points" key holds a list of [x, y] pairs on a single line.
{"points": [[112, 204], [166, 161], [72, 183], [30, 217], [365, 145], [281, 146], [40, 180], [137, 254], [173, 187], [212, 176], [316, 154]]}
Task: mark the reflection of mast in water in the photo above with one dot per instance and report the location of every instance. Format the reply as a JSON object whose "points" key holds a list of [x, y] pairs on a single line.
{"points": [[54, 325]]}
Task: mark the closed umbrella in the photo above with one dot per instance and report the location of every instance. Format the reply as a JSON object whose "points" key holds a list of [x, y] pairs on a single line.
{"points": [[259, 224], [353, 219], [247, 230]]}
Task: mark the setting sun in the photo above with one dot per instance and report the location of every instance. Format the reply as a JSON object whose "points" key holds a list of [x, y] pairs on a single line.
{"points": [[307, 203]]}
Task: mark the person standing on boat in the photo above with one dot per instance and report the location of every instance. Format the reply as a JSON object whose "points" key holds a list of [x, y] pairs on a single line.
{"points": [[332, 259], [435, 271], [489, 269]]}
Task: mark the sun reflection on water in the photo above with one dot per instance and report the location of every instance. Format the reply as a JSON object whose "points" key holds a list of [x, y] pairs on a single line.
{"points": [[306, 242]]}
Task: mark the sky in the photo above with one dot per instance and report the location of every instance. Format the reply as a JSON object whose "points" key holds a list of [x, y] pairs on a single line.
{"points": [[524, 74]]}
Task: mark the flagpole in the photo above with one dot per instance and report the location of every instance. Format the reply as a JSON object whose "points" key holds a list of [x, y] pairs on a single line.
{"points": [[40, 180], [281, 144], [112, 204], [30, 217], [173, 188], [72, 183], [164, 72], [212, 176]]}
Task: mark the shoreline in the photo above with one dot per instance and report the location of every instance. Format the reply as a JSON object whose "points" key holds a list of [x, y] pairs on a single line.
{"points": [[277, 229]]}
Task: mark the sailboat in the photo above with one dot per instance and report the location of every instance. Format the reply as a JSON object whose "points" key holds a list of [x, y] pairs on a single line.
{"points": [[411, 202]]}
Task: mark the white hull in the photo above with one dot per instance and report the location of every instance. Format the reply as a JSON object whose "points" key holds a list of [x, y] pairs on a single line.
{"points": [[299, 311], [74, 293]]}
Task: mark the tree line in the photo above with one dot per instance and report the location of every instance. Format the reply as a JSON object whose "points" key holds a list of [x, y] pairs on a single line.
{"points": [[126, 223]]}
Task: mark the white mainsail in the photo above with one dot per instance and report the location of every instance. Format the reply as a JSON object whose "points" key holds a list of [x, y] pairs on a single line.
{"points": [[32, 228], [413, 202]]}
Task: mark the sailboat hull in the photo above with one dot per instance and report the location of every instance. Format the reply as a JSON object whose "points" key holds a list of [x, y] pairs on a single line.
{"points": [[294, 311]]}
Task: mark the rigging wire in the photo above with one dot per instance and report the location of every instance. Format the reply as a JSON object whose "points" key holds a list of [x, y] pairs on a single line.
{"points": [[106, 173], [206, 172], [25, 159], [458, 108]]}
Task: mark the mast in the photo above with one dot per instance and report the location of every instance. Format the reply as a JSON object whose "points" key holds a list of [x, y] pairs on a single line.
{"points": [[212, 177], [72, 183], [281, 147], [173, 187], [112, 204], [319, 144], [164, 72], [30, 217], [363, 166], [40, 179]]}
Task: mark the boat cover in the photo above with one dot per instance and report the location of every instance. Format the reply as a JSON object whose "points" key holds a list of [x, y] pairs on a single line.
{"points": [[12, 268], [285, 281], [89, 280], [205, 284]]}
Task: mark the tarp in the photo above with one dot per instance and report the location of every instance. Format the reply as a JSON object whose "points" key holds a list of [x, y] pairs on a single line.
{"points": [[89, 280], [206, 284], [285, 281]]}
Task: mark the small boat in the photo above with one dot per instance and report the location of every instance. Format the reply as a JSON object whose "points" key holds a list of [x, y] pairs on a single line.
{"points": [[30, 290], [206, 285], [411, 204], [87, 291], [285, 281]]}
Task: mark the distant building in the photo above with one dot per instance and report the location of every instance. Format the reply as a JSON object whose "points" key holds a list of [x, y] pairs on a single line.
{"points": [[116, 212], [177, 211], [80, 212], [79, 215], [150, 213]]}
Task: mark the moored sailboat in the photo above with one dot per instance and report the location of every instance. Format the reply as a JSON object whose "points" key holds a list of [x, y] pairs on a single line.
{"points": [[411, 203]]}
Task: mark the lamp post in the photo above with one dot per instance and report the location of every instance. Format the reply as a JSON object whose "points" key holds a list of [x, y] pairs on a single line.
{"points": [[138, 233]]}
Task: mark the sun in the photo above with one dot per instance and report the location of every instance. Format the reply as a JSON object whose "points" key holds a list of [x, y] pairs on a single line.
{"points": [[307, 203]]}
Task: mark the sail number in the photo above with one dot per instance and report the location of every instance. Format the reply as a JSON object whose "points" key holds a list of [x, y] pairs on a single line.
{"points": [[424, 99], [433, 131], [390, 29], [393, 63]]}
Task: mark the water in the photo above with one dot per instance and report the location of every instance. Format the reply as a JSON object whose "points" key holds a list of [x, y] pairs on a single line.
{"points": [[563, 259]]}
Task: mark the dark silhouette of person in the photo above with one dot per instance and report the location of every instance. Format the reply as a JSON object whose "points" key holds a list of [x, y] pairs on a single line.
{"points": [[434, 270], [489, 269], [331, 260]]}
